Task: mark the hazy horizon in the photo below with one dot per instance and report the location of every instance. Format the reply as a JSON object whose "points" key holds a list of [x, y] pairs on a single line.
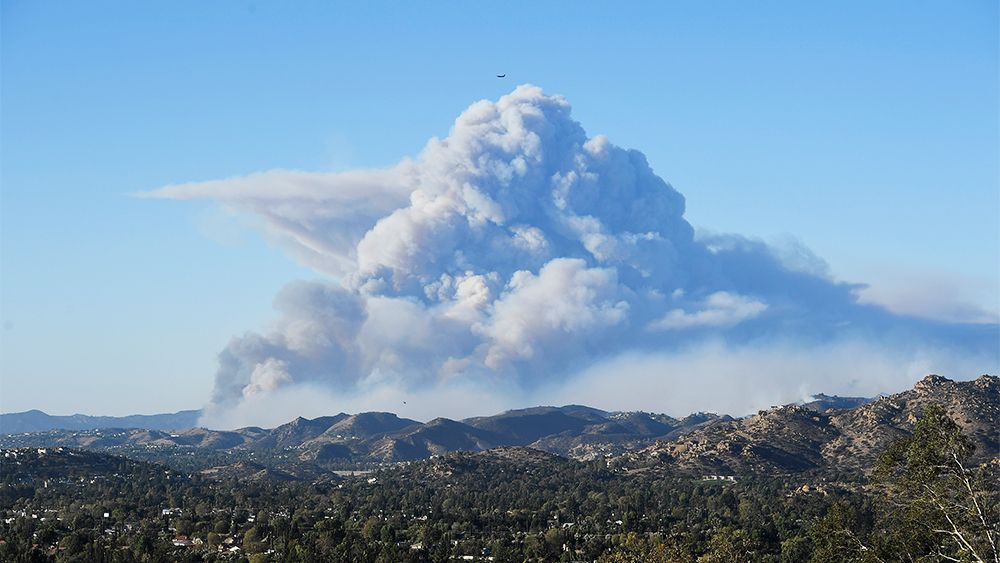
{"points": [[275, 422]]}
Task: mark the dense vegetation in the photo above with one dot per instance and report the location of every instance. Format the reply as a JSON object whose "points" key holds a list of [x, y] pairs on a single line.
{"points": [[921, 504]]}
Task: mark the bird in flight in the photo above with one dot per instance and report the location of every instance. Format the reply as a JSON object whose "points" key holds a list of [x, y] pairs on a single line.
{"points": [[501, 75]]}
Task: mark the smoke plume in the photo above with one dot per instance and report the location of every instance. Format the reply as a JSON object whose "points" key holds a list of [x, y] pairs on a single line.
{"points": [[517, 253]]}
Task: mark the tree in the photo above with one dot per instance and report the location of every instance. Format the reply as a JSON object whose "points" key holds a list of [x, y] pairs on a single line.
{"points": [[841, 535], [795, 549], [933, 504], [252, 541], [730, 546], [637, 549]]}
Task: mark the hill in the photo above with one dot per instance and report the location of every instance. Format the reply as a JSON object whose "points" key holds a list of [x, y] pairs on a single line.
{"points": [[826, 434], [794, 438], [38, 421]]}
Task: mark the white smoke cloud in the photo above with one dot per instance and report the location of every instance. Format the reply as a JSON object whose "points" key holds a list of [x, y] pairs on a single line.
{"points": [[739, 379], [934, 296], [515, 252], [720, 309], [267, 376], [318, 218], [564, 306]]}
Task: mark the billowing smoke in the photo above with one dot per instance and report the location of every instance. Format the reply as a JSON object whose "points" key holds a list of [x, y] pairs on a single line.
{"points": [[516, 253]]}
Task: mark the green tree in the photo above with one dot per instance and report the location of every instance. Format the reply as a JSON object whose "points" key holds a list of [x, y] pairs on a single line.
{"points": [[936, 505], [730, 545], [252, 541], [841, 535], [795, 549]]}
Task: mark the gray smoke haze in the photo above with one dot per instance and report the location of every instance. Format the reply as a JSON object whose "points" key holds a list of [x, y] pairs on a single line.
{"points": [[518, 259]]}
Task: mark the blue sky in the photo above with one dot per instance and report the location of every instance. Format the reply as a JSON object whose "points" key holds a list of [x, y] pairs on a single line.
{"points": [[867, 131]]}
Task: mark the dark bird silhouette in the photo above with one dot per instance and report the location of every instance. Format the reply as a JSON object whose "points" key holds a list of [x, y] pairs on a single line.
{"points": [[501, 75]]}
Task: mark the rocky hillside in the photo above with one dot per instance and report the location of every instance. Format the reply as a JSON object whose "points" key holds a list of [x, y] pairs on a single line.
{"points": [[794, 438], [866, 430]]}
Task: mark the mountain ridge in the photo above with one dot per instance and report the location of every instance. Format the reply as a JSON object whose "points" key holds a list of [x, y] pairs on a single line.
{"points": [[786, 439], [35, 420]]}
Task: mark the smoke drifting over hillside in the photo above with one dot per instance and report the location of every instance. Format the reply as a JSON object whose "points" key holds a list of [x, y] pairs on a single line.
{"points": [[519, 252]]}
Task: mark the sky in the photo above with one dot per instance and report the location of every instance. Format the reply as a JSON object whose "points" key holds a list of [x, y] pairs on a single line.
{"points": [[866, 133]]}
